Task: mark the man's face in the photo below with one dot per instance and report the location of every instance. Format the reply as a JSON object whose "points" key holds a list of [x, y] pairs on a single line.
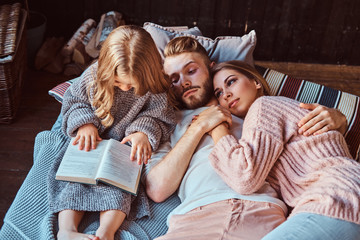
{"points": [[190, 79]]}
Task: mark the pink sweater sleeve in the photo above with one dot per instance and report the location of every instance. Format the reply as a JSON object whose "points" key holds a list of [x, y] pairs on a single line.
{"points": [[245, 164]]}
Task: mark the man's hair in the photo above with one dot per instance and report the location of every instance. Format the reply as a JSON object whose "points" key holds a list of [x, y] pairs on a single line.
{"points": [[185, 44]]}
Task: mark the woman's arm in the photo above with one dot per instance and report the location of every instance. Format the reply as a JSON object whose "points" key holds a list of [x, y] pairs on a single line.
{"points": [[220, 131], [245, 164], [321, 119]]}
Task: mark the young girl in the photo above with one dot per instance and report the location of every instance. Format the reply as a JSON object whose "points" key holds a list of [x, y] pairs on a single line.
{"points": [[121, 96], [315, 175]]}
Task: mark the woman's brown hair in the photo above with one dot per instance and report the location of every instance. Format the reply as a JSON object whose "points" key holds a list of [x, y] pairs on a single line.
{"points": [[243, 68]]}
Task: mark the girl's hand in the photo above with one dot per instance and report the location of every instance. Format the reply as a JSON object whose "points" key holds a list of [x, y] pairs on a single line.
{"points": [[140, 147], [212, 117], [321, 119], [87, 137]]}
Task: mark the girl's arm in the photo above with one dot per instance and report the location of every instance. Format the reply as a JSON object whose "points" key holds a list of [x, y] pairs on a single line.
{"points": [[87, 137], [76, 108], [156, 120], [140, 147]]}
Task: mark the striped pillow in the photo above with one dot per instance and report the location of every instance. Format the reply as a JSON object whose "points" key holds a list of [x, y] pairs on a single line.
{"points": [[308, 92], [58, 91]]}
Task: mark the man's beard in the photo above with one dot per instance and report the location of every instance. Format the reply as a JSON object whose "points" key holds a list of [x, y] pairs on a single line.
{"points": [[197, 101]]}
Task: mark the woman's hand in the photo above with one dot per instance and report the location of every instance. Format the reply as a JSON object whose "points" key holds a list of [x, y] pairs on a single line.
{"points": [[219, 131], [87, 137], [140, 146], [321, 119], [211, 117]]}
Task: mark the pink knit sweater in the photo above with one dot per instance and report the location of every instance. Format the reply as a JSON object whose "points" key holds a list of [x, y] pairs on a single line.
{"points": [[312, 174]]}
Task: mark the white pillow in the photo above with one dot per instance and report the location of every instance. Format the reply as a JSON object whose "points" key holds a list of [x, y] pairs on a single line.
{"points": [[220, 49]]}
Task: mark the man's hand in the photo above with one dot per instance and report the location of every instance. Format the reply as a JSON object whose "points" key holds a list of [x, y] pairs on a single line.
{"points": [[211, 117], [321, 119], [87, 137]]}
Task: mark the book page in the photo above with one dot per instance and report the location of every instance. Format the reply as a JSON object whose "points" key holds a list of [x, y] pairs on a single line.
{"points": [[79, 165], [118, 168]]}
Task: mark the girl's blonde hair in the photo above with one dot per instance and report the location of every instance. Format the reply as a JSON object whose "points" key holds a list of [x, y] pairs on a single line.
{"points": [[243, 68], [129, 50]]}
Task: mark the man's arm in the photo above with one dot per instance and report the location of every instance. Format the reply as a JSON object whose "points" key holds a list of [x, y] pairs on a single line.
{"points": [[165, 178], [321, 119]]}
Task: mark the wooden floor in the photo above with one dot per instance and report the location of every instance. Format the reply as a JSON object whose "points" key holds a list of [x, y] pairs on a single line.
{"points": [[37, 112]]}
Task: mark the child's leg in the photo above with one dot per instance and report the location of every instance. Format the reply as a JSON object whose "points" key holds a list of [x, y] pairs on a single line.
{"points": [[69, 221], [110, 221]]}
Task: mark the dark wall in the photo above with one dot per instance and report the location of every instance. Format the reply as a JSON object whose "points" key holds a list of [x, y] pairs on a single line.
{"points": [[311, 31]]}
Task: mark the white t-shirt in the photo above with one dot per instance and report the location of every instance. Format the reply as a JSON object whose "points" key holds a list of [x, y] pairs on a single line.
{"points": [[201, 185]]}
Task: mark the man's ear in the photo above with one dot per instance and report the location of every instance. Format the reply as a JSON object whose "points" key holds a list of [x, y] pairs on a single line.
{"points": [[212, 64]]}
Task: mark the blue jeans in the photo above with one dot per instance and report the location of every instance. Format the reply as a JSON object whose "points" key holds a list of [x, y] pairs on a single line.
{"points": [[309, 226]]}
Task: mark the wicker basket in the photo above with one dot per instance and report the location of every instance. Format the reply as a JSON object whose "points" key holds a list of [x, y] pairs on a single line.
{"points": [[12, 59]]}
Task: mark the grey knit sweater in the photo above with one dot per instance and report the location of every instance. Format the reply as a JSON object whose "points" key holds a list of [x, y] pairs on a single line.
{"points": [[149, 114]]}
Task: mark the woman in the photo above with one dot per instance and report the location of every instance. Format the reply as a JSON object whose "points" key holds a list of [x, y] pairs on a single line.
{"points": [[315, 175]]}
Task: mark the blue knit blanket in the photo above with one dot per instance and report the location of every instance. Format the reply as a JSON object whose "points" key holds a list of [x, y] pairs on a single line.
{"points": [[29, 218]]}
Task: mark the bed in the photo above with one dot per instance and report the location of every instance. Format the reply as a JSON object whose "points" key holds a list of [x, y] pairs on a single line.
{"points": [[28, 216]]}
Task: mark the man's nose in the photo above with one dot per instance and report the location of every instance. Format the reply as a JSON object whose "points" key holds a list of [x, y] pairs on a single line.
{"points": [[185, 82]]}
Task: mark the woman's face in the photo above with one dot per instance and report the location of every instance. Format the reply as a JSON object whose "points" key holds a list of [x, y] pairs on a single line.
{"points": [[235, 91]]}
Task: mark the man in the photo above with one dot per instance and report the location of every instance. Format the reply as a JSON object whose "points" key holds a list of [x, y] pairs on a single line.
{"points": [[209, 209]]}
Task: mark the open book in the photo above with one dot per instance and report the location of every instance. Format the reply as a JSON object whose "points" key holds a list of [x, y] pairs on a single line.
{"points": [[109, 163]]}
